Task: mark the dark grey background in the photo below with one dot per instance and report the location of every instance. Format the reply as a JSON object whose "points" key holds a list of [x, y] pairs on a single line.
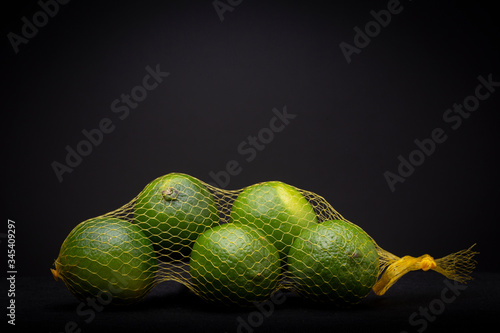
{"points": [[352, 120]]}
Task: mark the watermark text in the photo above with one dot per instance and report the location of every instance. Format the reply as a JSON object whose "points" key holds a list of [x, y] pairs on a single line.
{"points": [[453, 118], [94, 137], [250, 147]]}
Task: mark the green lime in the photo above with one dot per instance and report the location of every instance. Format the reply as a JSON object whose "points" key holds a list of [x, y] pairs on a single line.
{"points": [[107, 258], [276, 208], [234, 263], [335, 260], [173, 210]]}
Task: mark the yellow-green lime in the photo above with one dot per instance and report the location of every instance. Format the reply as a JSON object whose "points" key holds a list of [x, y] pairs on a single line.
{"points": [[335, 260], [277, 209], [234, 263], [173, 210], [107, 258]]}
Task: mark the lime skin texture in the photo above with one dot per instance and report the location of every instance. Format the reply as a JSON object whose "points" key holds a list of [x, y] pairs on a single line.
{"points": [[334, 261], [277, 209], [173, 210], [234, 264], [107, 257]]}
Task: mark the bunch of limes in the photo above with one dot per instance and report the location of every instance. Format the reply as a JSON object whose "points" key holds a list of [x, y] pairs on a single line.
{"points": [[269, 236]]}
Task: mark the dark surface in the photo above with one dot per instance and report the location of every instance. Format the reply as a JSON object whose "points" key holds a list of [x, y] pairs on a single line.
{"points": [[47, 306]]}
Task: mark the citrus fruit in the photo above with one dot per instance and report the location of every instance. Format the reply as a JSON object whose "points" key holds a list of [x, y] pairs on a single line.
{"points": [[107, 258], [234, 263], [335, 260], [173, 210], [276, 208]]}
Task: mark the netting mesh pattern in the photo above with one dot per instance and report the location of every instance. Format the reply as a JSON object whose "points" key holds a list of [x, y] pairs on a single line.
{"points": [[232, 246], [107, 257]]}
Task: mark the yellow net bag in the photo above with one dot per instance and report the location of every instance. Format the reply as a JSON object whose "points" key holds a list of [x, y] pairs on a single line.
{"points": [[233, 246]]}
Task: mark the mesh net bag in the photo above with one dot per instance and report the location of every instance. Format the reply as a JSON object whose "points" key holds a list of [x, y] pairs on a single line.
{"points": [[234, 247]]}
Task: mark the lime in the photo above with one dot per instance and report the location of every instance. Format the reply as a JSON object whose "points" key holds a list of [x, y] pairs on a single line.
{"points": [[173, 210], [276, 208], [335, 260], [108, 258], [234, 263]]}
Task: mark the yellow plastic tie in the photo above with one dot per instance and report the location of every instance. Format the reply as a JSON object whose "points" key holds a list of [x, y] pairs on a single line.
{"points": [[456, 266], [55, 274]]}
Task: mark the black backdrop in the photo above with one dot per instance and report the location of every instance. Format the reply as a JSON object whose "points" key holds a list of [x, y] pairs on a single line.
{"points": [[348, 121]]}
